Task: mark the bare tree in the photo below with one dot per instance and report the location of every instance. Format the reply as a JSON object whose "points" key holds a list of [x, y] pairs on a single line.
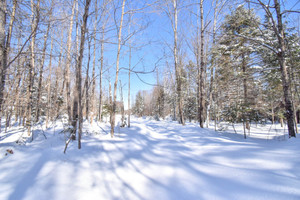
{"points": [[42, 65], [87, 102], [94, 63], [77, 107], [104, 12], [49, 86], [67, 77], [4, 46], [219, 4], [129, 71], [201, 70], [35, 10], [101, 72], [113, 117]]}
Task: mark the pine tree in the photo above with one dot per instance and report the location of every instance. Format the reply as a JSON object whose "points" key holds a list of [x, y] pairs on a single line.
{"points": [[240, 51], [139, 105]]}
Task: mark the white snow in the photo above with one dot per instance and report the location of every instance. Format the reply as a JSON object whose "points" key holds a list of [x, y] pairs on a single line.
{"points": [[152, 160]]}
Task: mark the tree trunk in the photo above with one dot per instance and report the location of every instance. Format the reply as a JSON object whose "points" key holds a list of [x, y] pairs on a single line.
{"points": [[57, 93], [4, 47], [87, 85], [101, 71], [177, 66], [244, 68], [294, 94], [41, 74], [34, 25], [212, 67], [129, 66], [29, 97], [94, 66], [18, 77], [289, 113], [49, 105], [201, 78], [273, 115], [122, 106], [3, 58], [117, 73], [110, 103], [67, 77], [77, 107]]}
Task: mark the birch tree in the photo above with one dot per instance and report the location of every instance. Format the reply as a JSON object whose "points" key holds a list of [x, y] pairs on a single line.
{"points": [[94, 63], [105, 17], [68, 63], [172, 13], [119, 29]]}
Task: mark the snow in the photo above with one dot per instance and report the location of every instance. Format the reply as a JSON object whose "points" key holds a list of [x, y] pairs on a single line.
{"points": [[152, 160]]}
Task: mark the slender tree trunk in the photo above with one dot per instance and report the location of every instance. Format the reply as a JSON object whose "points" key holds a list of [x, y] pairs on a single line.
{"points": [[87, 85], [34, 25], [295, 118], [49, 105], [77, 107], [198, 71], [77, 32], [29, 97], [201, 78], [281, 122], [57, 93], [94, 65], [101, 71], [129, 71], [289, 112], [244, 68], [3, 58], [122, 106], [129, 66], [67, 77], [41, 74], [272, 110], [18, 77], [110, 103], [177, 66], [117, 73], [294, 94], [4, 47], [213, 65]]}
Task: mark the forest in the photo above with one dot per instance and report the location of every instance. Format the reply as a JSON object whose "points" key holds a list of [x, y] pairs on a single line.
{"points": [[221, 61], [153, 99]]}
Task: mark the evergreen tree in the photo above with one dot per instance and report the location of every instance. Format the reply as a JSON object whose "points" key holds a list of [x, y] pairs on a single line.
{"points": [[139, 106], [240, 52]]}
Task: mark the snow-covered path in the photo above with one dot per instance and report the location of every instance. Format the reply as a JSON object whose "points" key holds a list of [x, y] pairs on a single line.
{"points": [[152, 160]]}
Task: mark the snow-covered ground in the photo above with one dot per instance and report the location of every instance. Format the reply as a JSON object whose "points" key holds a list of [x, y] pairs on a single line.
{"points": [[151, 160]]}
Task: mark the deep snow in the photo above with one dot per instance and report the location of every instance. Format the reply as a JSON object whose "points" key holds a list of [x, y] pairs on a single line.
{"points": [[151, 160]]}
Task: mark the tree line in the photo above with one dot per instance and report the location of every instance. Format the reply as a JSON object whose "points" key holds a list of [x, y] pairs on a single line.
{"points": [[238, 63], [248, 72]]}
